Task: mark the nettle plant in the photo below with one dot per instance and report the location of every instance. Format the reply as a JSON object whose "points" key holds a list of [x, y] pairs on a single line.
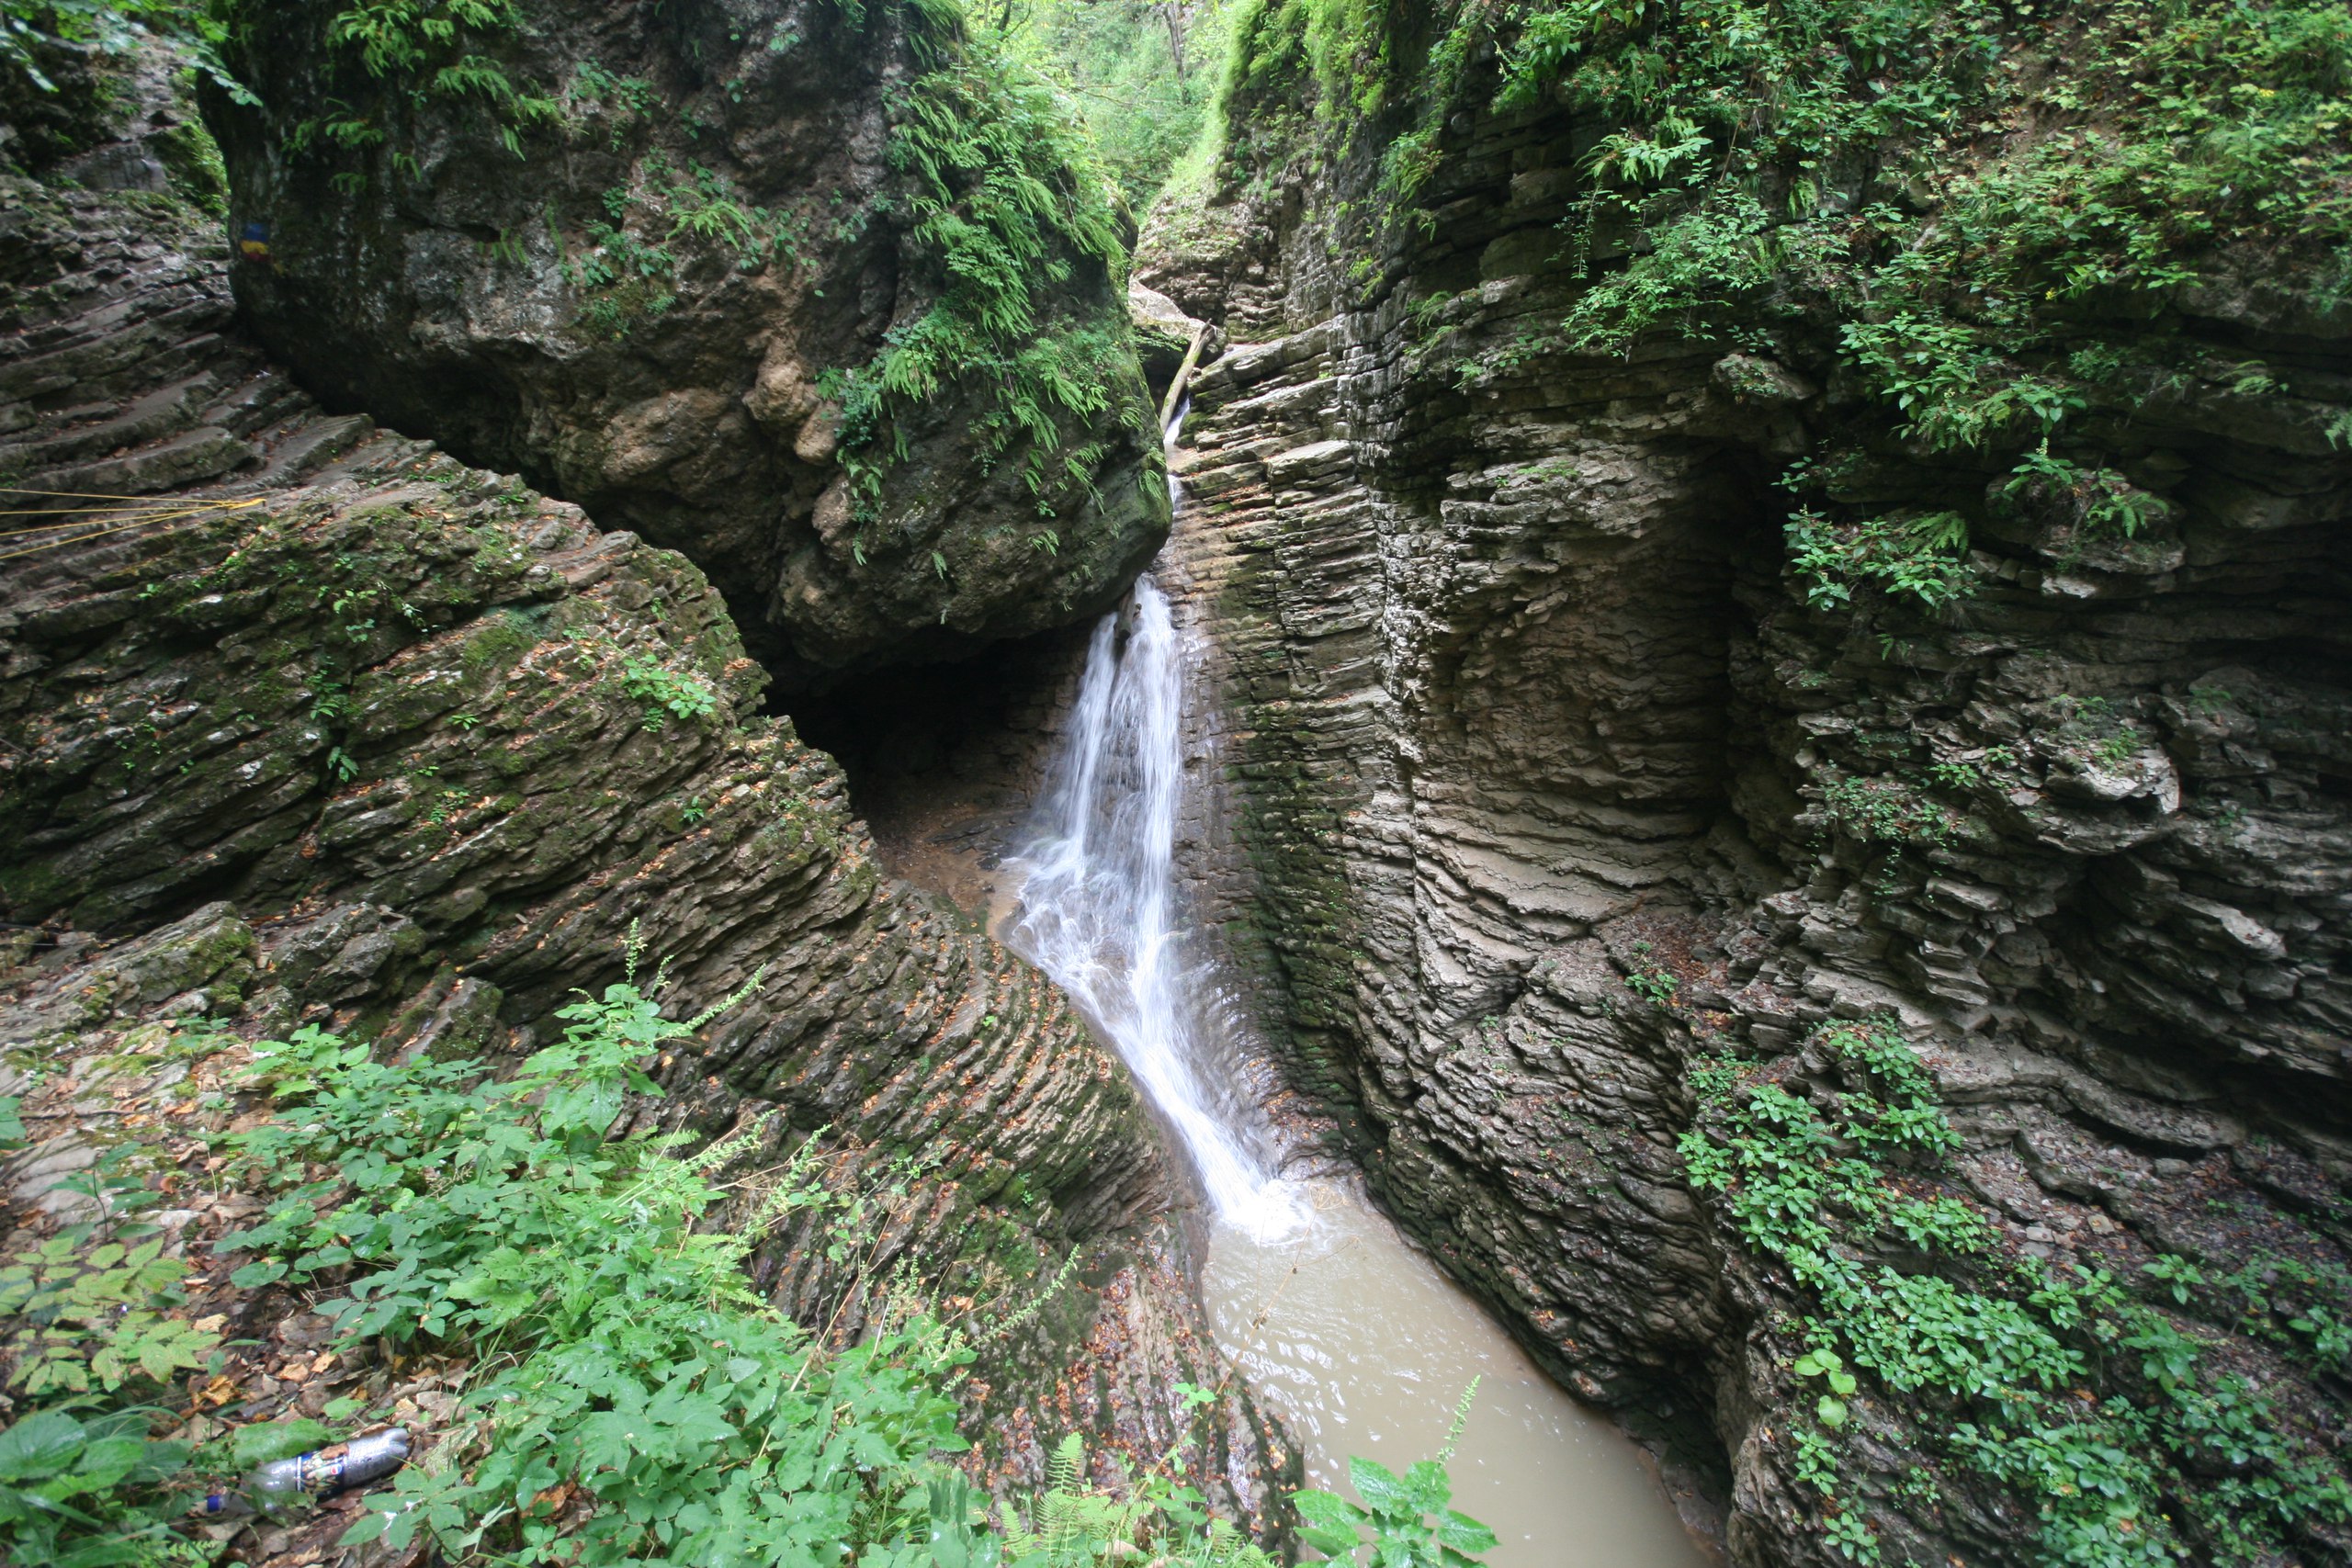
{"points": [[632, 1400], [2124, 1430], [636, 1401]]}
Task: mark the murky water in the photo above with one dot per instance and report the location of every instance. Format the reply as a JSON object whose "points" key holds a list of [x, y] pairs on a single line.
{"points": [[1353, 1337], [1345, 1330]]}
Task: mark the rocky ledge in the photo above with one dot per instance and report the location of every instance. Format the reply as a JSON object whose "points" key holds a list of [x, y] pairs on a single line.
{"points": [[311, 723], [630, 279], [1561, 801]]}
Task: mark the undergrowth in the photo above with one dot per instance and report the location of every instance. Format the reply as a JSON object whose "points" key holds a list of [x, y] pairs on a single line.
{"points": [[632, 1398], [2127, 1433], [1975, 207]]}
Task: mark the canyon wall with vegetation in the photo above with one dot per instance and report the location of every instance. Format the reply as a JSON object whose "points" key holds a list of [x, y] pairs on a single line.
{"points": [[823, 295], [312, 732], [1775, 582], [1781, 583]]}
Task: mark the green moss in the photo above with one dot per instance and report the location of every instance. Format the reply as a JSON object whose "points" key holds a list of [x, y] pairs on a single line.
{"points": [[497, 642]]}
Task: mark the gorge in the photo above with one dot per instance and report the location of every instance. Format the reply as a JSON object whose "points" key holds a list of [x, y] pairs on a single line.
{"points": [[1721, 801]]}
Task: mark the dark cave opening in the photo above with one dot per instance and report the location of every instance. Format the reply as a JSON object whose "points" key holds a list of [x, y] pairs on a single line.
{"points": [[945, 761]]}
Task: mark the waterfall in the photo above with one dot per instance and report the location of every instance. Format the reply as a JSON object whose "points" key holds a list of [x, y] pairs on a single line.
{"points": [[1099, 911], [1341, 1327]]}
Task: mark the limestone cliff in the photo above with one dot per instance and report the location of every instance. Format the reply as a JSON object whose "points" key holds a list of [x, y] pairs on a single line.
{"points": [[820, 294], [1558, 785], [312, 723]]}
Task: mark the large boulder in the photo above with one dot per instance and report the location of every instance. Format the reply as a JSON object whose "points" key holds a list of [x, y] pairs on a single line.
{"points": [[825, 296]]}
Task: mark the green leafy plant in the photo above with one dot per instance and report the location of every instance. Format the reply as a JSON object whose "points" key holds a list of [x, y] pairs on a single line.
{"points": [[1004, 201], [1403, 1521], [430, 48], [1830, 1409], [2091, 1407], [666, 693], [1921, 558], [87, 1337], [80, 1491], [637, 1367], [1656, 985]]}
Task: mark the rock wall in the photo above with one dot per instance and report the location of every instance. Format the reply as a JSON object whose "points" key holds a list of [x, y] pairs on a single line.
{"points": [[313, 723], [635, 302], [1527, 707]]}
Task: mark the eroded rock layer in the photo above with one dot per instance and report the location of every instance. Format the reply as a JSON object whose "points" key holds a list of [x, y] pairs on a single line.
{"points": [[314, 723], [632, 286], [1554, 784]]}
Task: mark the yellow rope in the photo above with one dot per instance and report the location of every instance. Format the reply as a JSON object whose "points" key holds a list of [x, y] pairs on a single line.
{"points": [[154, 512], [94, 495]]}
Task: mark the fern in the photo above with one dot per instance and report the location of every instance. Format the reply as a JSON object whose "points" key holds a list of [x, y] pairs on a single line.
{"points": [[1005, 199]]}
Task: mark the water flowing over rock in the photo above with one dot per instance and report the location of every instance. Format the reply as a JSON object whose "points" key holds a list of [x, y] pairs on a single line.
{"points": [[1099, 911], [313, 723], [1526, 706]]}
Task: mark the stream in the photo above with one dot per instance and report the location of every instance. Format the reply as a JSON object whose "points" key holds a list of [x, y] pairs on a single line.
{"points": [[1343, 1328]]}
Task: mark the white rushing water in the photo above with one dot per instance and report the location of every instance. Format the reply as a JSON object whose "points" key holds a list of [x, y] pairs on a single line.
{"points": [[1341, 1327], [1099, 907]]}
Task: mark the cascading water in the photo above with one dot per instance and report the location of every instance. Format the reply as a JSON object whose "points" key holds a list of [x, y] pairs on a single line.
{"points": [[1099, 907], [1341, 1327]]}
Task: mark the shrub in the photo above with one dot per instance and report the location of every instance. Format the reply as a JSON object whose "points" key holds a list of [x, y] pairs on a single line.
{"points": [[2095, 1408]]}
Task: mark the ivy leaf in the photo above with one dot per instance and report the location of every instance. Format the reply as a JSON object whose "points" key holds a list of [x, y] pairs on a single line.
{"points": [[1832, 1412]]}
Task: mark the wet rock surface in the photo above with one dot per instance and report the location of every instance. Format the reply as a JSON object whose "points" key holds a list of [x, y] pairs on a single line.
{"points": [[638, 312], [1523, 706]]}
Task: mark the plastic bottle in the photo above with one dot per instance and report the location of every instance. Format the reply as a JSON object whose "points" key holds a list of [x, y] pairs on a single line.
{"points": [[291, 1485]]}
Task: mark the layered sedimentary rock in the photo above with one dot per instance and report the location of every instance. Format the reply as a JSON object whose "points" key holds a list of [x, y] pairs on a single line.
{"points": [[631, 282], [1552, 783], [315, 724]]}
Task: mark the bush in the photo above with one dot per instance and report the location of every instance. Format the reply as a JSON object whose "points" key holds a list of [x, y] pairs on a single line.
{"points": [[2094, 1408]]}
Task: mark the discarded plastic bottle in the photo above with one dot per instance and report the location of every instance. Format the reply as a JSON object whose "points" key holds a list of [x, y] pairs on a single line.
{"points": [[291, 1485]]}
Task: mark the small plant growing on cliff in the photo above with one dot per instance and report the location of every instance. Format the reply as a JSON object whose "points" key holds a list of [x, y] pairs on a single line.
{"points": [[433, 48], [1005, 202], [1655, 985], [1993, 1349], [665, 693], [1922, 559]]}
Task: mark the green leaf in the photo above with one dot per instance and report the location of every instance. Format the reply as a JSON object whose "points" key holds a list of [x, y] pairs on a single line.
{"points": [[1329, 1511], [1832, 1412], [1382, 1490], [41, 1445], [1463, 1533], [264, 1441]]}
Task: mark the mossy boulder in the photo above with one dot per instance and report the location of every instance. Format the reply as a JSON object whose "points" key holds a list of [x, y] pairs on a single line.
{"points": [[807, 292]]}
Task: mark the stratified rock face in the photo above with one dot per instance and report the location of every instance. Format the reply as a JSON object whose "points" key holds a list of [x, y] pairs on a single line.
{"points": [[1527, 706], [320, 725], [635, 301]]}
